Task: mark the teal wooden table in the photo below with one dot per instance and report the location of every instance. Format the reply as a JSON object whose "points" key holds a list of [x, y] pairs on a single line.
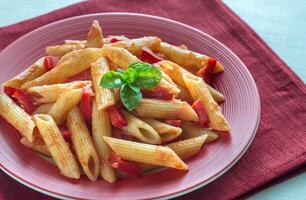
{"points": [[281, 24]]}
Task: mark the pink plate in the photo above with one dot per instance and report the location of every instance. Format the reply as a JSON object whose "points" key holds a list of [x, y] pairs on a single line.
{"points": [[241, 108]]}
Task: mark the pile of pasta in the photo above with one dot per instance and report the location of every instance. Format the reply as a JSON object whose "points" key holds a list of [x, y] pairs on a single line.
{"points": [[61, 111]]}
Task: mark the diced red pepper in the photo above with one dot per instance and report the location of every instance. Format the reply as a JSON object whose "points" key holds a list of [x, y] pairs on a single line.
{"points": [[207, 72], [120, 134], [127, 167], [65, 132], [113, 40], [174, 122], [9, 90], [82, 76], [116, 116], [198, 107], [86, 104], [148, 56], [21, 98], [50, 62], [159, 93]]}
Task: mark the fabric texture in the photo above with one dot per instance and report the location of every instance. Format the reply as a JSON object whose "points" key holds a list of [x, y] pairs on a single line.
{"points": [[280, 144]]}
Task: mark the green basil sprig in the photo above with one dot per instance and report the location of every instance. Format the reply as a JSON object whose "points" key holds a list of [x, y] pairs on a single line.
{"points": [[138, 76]]}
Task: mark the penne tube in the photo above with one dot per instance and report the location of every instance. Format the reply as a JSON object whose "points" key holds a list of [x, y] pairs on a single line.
{"points": [[83, 144], [199, 91], [32, 72], [160, 109], [176, 73], [50, 93], [67, 101], [141, 130], [57, 146], [101, 126], [184, 95], [75, 42], [185, 149], [191, 130], [135, 46], [145, 153], [71, 64], [172, 88], [38, 147], [120, 56], [95, 35], [63, 49], [17, 117], [43, 108], [165, 131], [104, 97], [186, 57]]}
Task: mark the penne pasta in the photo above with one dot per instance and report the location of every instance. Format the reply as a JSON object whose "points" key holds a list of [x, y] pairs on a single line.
{"points": [[38, 147], [141, 130], [32, 72], [145, 153], [185, 149], [135, 46], [172, 88], [199, 91], [71, 64], [186, 57], [83, 144], [95, 35], [75, 42], [104, 97], [63, 49], [191, 130], [165, 131], [120, 56], [67, 100], [160, 109], [176, 73], [57, 146], [101, 126], [184, 95], [43, 108], [17, 117], [50, 93]]}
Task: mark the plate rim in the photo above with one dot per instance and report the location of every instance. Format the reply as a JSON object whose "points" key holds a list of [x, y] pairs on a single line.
{"points": [[173, 194]]}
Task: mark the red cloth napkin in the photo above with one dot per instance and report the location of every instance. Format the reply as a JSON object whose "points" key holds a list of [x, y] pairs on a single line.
{"points": [[280, 143]]}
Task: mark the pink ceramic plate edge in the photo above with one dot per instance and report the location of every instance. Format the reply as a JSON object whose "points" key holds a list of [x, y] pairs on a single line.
{"points": [[196, 31]]}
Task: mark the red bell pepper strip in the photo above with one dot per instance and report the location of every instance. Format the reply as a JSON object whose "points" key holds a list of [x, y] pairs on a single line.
{"points": [[174, 122], [120, 134], [113, 40], [159, 93], [21, 98], [148, 56], [82, 76], [198, 107], [207, 72], [65, 132], [50, 62], [127, 167], [116, 116], [86, 104]]}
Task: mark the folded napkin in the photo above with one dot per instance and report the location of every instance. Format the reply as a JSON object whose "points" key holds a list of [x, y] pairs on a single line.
{"points": [[280, 143]]}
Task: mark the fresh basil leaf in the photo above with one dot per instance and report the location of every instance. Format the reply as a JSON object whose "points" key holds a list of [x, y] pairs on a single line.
{"points": [[120, 71], [136, 64], [130, 75], [129, 97], [135, 88], [111, 80], [147, 75]]}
